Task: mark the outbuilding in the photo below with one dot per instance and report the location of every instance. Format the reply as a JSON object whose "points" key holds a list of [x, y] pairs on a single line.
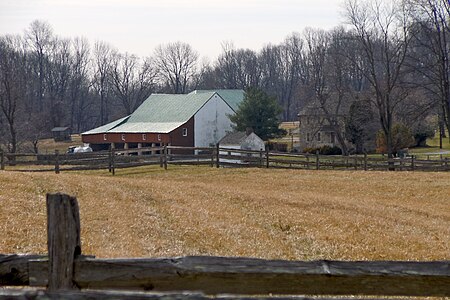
{"points": [[239, 140], [61, 134]]}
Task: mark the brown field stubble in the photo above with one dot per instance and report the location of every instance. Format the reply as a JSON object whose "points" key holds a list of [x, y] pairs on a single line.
{"points": [[274, 214]]}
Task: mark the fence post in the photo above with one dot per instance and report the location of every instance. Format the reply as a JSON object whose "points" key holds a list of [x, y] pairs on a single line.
{"points": [[165, 157], [260, 158], [213, 154], [161, 157], [356, 162], [412, 163], [317, 161], [110, 160], [217, 155], [2, 160], [446, 164], [307, 161], [267, 157], [113, 157], [57, 161], [63, 240], [365, 161]]}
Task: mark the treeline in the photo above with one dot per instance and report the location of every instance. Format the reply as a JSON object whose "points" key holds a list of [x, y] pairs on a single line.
{"points": [[387, 66]]}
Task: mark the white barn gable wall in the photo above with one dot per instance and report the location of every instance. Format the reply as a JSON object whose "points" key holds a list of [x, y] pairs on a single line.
{"points": [[211, 122]]}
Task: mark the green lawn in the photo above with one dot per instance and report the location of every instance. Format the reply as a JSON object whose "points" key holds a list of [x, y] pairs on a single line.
{"points": [[433, 149]]}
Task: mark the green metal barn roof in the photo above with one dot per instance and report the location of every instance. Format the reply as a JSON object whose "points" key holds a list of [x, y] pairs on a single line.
{"points": [[232, 97], [106, 127]]}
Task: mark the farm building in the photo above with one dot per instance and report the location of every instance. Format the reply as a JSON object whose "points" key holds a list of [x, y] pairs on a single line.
{"points": [[241, 141], [61, 134], [197, 119], [315, 129]]}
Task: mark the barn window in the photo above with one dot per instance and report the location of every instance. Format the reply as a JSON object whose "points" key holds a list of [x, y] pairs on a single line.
{"points": [[318, 136], [104, 137], [332, 137], [308, 137], [159, 137], [184, 131], [123, 137], [144, 136]]}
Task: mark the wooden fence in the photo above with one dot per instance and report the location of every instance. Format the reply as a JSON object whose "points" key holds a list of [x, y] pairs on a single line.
{"points": [[66, 269], [212, 156]]}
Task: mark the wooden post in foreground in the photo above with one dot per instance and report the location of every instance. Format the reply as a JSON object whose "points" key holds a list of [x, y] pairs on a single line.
{"points": [[2, 160], [63, 240], [365, 161], [57, 161], [267, 157]]}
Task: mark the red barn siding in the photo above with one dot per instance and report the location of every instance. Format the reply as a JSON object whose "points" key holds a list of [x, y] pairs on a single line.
{"points": [[174, 137]]}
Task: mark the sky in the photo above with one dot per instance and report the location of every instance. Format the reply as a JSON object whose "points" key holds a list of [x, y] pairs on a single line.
{"points": [[138, 26]]}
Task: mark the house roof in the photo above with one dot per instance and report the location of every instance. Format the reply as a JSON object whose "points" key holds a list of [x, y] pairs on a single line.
{"points": [[162, 113], [233, 138]]}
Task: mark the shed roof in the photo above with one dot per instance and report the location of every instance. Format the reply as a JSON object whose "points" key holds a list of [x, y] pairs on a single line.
{"points": [[233, 138]]}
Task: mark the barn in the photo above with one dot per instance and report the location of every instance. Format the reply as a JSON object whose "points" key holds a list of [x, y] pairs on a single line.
{"points": [[197, 119]]}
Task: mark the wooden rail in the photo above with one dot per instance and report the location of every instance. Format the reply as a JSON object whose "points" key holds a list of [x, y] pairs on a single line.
{"points": [[213, 156], [65, 268]]}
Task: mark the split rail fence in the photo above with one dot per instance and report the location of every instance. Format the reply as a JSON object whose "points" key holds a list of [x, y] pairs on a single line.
{"points": [[66, 272], [214, 157]]}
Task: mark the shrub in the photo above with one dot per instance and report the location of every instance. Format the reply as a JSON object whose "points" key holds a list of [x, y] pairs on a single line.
{"points": [[324, 150], [328, 150], [401, 138]]}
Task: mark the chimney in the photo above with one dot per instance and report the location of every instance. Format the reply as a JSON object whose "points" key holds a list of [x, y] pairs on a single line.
{"points": [[248, 130]]}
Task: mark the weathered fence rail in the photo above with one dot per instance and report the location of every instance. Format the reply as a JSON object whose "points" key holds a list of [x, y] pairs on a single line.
{"points": [[213, 156], [65, 268]]}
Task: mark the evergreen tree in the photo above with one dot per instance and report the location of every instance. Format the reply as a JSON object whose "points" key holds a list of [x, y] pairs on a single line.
{"points": [[260, 112]]}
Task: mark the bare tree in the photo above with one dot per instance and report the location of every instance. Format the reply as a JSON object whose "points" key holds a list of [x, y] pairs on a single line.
{"points": [[133, 80], [328, 79], [282, 67], [57, 79], [39, 37], [103, 55], [381, 30], [237, 68], [433, 38], [79, 85], [176, 64], [12, 85]]}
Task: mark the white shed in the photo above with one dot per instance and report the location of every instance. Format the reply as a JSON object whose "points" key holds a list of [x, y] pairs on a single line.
{"points": [[240, 141]]}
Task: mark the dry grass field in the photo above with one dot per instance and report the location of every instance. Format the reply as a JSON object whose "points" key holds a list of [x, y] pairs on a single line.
{"points": [[148, 212]]}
